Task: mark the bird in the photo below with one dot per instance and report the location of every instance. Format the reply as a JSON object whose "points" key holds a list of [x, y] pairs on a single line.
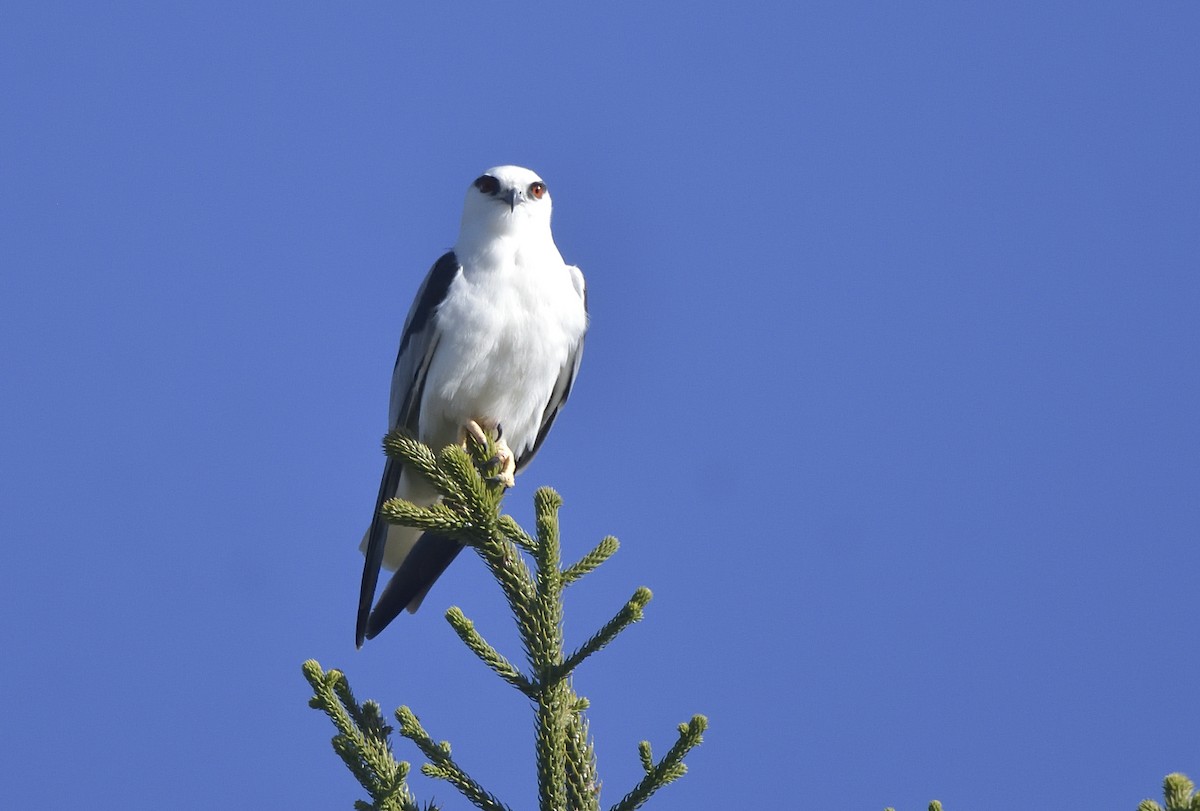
{"points": [[492, 343]]}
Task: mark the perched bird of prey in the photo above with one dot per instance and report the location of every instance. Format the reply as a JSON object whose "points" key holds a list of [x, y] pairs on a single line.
{"points": [[492, 343]]}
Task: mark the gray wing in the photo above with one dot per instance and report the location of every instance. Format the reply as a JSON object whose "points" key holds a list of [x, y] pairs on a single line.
{"points": [[562, 386], [418, 342], [417, 346]]}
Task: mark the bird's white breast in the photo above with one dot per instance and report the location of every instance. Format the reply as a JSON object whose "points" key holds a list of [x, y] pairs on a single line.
{"points": [[507, 327]]}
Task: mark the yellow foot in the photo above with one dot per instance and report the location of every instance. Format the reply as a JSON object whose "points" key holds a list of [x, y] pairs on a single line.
{"points": [[503, 459]]}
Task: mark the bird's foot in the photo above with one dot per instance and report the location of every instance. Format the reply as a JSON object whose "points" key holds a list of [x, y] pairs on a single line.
{"points": [[476, 432], [504, 459], [507, 463]]}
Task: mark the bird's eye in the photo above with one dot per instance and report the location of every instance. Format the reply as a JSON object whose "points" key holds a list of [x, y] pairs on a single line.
{"points": [[487, 184], [537, 190]]}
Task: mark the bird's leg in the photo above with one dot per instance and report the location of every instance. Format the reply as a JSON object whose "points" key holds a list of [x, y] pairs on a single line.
{"points": [[504, 459]]}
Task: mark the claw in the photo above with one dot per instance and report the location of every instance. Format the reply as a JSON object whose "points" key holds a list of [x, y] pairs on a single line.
{"points": [[503, 459], [506, 462], [506, 480], [476, 432]]}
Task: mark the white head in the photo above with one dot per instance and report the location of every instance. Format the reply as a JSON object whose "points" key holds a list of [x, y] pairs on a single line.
{"points": [[506, 201]]}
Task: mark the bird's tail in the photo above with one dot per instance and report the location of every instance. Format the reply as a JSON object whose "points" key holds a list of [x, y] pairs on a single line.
{"points": [[418, 559], [423, 565]]}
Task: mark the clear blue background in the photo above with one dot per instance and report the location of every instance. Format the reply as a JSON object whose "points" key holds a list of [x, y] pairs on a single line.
{"points": [[891, 392]]}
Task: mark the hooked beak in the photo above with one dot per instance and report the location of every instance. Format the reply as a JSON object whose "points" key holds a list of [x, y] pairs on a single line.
{"points": [[513, 196]]}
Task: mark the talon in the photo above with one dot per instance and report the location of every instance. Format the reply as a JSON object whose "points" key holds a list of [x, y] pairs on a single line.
{"points": [[475, 431], [506, 462], [506, 480], [503, 459]]}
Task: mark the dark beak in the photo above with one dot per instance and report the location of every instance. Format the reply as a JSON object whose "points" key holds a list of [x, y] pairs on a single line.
{"points": [[511, 198]]}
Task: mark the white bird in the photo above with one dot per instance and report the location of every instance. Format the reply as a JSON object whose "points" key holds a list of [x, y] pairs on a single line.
{"points": [[492, 342]]}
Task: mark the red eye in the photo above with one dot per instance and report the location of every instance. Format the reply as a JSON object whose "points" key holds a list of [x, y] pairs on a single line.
{"points": [[537, 190], [487, 184]]}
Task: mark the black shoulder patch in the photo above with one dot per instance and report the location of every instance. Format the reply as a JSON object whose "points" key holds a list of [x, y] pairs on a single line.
{"points": [[432, 293]]}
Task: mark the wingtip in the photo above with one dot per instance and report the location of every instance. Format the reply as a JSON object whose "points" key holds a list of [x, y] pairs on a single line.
{"points": [[411, 582], [373, 552], [363, 622]]}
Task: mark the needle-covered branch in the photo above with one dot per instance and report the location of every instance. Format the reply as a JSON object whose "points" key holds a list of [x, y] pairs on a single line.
{"points": [[630, 613], [1179, 794], [469, 512], [362, 740], [438, 518], [442, 766], [667, 770], [589, 562], [488, 654], [517, 534], [583, 786], [422, 460]]}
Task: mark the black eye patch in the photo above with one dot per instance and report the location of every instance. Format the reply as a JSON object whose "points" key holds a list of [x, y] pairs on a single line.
{"points": [[488, 184]]}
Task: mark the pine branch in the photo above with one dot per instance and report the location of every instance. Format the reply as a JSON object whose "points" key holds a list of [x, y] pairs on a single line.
{"points": [[421, 459], [489, 655], [667, 770], [469, 512], [1179, 794], [442, 766], [554, 699], [362, 740], [630, 613], [513, 531], [477, 500], [589, 562], [438, 518], [583, 786]]}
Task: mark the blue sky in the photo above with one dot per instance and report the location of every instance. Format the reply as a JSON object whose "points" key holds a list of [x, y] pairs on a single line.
{"points": [[890, 393]]}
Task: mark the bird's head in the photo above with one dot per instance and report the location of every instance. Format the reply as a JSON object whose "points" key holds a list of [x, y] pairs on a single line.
{"points": [[507, 201]]}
